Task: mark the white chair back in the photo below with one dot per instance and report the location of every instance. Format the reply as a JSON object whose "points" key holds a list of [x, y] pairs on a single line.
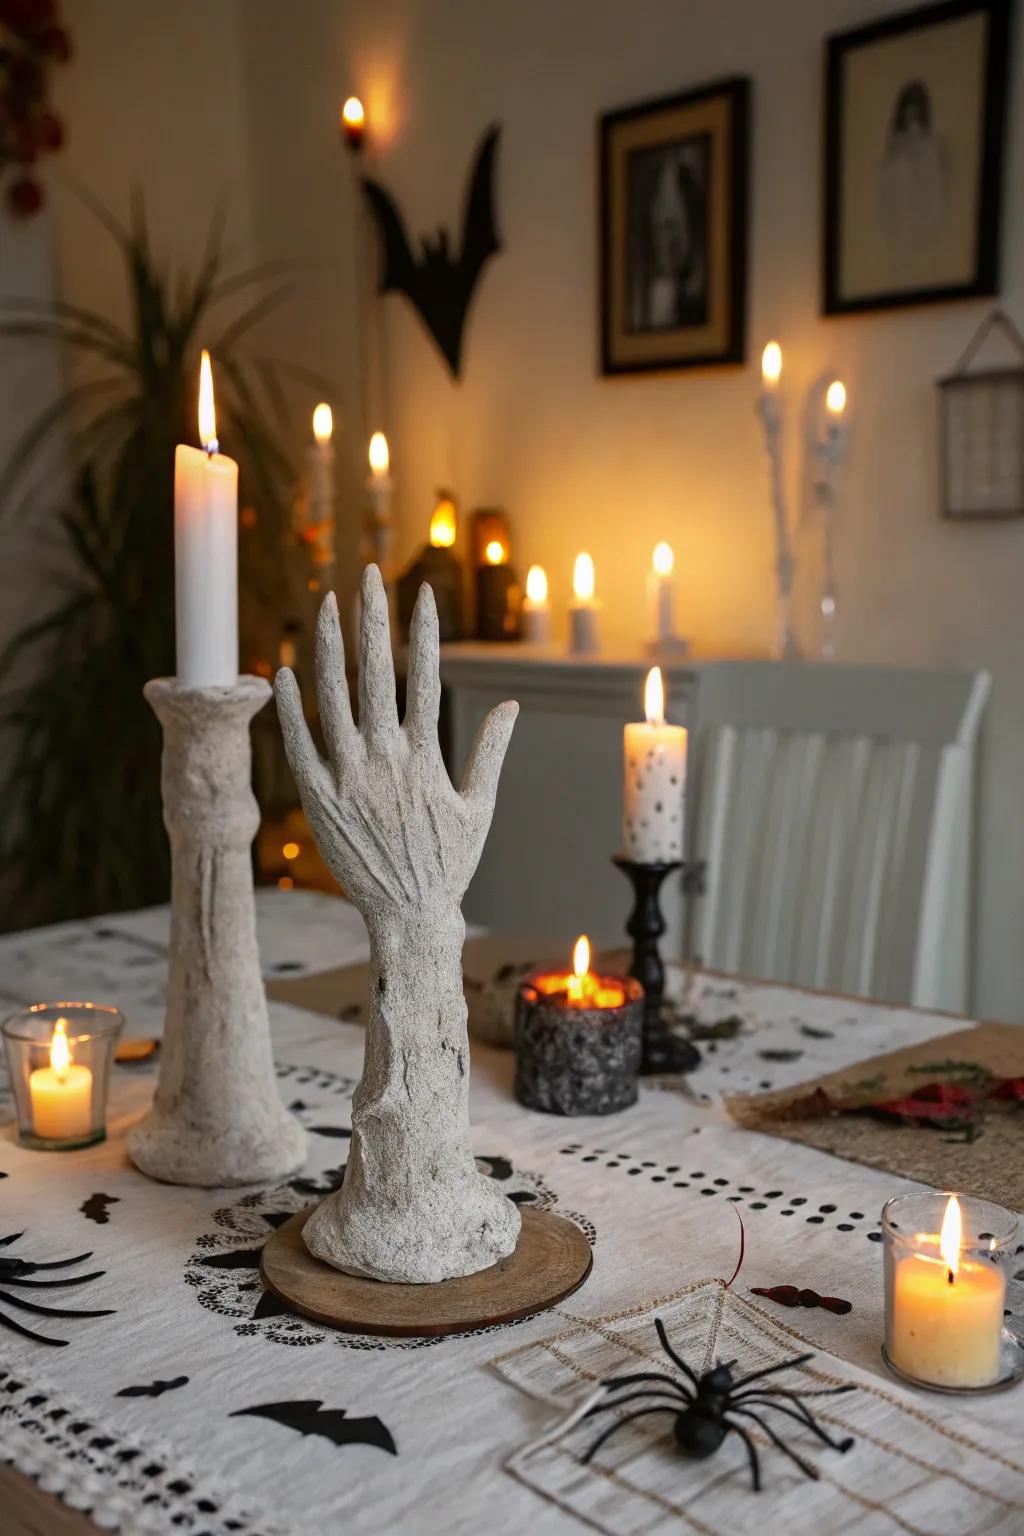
{"points": [[834, 807]]}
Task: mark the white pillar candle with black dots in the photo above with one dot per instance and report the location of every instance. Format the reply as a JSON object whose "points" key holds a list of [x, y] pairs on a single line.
{"points": [[655, 782]]}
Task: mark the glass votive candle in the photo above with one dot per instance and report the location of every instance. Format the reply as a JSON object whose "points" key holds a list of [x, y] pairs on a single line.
{"points": [[59, 1056], [945, 1291]]}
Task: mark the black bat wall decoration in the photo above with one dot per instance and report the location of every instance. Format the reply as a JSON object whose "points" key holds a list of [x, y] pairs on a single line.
{"points": [[438, 284], [310, 1417]]}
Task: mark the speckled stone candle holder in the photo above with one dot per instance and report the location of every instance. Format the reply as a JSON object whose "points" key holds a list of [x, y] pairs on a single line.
{"points": [[575, 1060], [217, 1117]]}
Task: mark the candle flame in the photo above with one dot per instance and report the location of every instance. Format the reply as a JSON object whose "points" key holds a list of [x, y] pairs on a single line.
{"points": [[60, 1049], [442, 524], [580, 969], [537, 584], [323, 422], [654, 697], [380, 458], [835, 398], [353, 119], [949, 1238], [663, 560], [583, 578], [207, 413], [494, 554], [771, 363]]}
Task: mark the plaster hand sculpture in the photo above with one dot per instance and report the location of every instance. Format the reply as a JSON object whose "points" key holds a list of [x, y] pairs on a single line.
{"points": [[403, 843]]}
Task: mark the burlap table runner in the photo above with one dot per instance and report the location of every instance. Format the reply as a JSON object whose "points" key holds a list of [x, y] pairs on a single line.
{"points": [[991, 1166]]}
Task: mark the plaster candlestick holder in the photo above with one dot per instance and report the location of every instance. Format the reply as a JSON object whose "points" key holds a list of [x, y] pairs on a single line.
{"points": [[217, 1117], [413, 1209]]}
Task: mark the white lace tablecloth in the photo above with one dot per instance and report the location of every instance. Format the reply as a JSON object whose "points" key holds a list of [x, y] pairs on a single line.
{"points": [[146, 1418]]}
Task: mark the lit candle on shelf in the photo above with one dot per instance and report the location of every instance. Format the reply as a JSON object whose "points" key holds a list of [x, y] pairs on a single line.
{"points": [[536, 608], [654, 756], [771, 367], [498, 595], [584, 638], [353, 123], [443, 524], [321, 490], [379, 486], [944, 1312], [661, 593], [61, 1093], [206, 553]]}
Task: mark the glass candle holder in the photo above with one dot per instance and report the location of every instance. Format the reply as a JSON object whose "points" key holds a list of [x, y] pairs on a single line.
{"points": [[59, 1056], [945, 1292]]}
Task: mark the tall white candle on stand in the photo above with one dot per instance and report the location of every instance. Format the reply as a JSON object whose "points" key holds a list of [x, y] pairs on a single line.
{"points": [[380, 488], [321, 467], [661, 593], [206, 553], [584, 638], [654, 755]]}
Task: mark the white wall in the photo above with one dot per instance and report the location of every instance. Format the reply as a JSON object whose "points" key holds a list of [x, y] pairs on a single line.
{"points": [[616, 464], [196, 96]]}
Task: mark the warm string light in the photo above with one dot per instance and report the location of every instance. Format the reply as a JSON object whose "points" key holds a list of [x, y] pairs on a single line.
{"points": [[207, 411]]}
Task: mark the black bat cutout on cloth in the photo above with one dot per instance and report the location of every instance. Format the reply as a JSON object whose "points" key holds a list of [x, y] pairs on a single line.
{"points": [[310, 1417], [438, 284], [95, 1208], [154, 1389]]}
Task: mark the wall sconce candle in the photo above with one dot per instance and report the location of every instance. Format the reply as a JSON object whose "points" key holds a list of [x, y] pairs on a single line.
{"points": [[584, 635], [353, 123]]}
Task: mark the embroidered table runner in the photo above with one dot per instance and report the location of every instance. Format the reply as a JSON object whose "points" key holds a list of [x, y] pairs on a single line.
{"points": [[199, 1406]]}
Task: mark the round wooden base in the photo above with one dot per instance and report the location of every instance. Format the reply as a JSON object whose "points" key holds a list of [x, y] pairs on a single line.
{"points": [[551, 1260]]}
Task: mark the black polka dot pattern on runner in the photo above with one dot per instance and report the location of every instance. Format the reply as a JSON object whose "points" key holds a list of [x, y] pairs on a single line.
{"points": [[707, 1184]]}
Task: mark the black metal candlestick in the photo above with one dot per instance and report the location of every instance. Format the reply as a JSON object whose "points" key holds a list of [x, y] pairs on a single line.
{"points": [[663, 1052]]}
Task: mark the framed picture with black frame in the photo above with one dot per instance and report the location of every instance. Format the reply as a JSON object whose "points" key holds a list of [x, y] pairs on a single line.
{"points": [[914, 126], [673, 230]]}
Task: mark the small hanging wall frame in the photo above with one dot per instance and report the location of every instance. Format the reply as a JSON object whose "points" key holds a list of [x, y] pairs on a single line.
{"points": [[981, 427]]}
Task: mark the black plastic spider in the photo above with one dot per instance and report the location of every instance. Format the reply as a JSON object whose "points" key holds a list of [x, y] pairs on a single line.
{"points": [[15, 1272], [703, 1421]]}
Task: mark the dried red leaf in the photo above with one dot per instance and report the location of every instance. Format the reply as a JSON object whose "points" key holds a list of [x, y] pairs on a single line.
{"points": [[798, 1296]]}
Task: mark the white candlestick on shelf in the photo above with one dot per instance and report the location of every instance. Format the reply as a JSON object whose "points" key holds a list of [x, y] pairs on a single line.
{"points": [[584, 636], [206, 553], [380, 488], [61, 1093], [654, 755], [769, 408], [321, 474], [661, 593], [536, 608], [832, 448]]}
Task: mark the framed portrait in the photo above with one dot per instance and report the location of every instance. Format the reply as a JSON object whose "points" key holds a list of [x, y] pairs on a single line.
{"points": [[915, 117], [674, 230]]}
